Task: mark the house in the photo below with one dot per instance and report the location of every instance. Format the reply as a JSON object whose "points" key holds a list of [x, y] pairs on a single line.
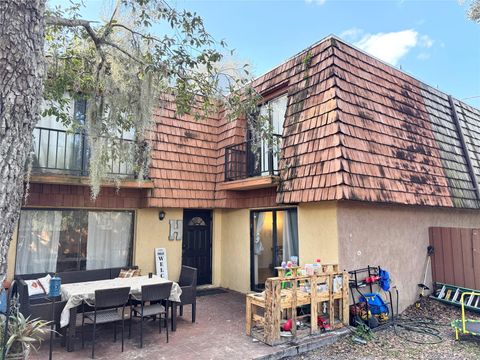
{"points": [[370, 159]]}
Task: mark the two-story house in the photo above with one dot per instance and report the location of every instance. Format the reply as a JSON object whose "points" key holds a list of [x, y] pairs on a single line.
{"points": [[370, 159]]}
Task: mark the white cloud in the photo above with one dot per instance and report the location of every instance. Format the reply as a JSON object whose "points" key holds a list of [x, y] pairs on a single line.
{"points": [[423, 56], [392, 46], [318, 2], [389, 47], [426, 41], [352, 34]]}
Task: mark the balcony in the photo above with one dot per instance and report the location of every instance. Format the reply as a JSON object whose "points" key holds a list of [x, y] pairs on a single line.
{"points": [[248, 167], [61, 157]]}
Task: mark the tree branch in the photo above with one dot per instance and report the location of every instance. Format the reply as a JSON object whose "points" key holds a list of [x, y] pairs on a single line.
{"points": [[57, 21]]}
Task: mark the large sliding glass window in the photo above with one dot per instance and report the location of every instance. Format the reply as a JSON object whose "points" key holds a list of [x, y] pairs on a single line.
{"points": [[68, 240], [275, 239]]}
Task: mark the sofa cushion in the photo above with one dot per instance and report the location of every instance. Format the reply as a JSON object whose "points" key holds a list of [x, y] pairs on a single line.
{"points": [[115, 272], [128, 273], [38, 286]]}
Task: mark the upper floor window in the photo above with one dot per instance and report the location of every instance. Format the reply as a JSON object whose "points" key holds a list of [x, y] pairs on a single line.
{"points": [[275, 109], [64, 149]]}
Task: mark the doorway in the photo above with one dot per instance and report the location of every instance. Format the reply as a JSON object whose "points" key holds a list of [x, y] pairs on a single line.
{"points": [[197, 243], [273, 239]]}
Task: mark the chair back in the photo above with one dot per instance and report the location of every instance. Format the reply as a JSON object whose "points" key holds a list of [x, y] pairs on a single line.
{"points": [[109, 298], [156, 291], [188, 276]]}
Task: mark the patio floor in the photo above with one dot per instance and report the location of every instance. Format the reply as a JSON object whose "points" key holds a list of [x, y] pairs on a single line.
{"points": [[219, 333]]}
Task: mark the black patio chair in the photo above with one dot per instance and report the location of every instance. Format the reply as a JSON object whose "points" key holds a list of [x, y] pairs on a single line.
{"points": [[157, 295], [188, 284], [106, 305]]}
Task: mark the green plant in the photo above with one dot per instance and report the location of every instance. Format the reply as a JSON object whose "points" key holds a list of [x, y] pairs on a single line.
{"points": [[363, 332], [22, 332]]}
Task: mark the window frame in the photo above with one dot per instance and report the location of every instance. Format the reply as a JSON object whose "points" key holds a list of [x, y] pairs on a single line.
{"points": [[131, 252], [274, 235]]}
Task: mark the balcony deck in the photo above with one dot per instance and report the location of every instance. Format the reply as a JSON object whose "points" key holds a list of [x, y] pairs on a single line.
{"points": [[257, 182], [249, 167], [62, 157]]}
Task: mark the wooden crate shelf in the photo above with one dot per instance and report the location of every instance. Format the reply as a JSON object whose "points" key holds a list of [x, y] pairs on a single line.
{"points": [[284, 295]]}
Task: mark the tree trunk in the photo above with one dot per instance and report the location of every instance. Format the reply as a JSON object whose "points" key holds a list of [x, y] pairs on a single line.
{"points": [[22, 68]]}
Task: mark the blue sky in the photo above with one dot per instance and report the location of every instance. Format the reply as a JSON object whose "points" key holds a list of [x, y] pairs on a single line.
{"points": [[431, 40]]}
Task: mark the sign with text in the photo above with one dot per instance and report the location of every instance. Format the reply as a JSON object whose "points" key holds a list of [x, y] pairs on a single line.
{"points": [[161, 262]]}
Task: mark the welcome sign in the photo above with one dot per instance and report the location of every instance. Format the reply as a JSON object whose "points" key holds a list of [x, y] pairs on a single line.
{"points": [[161, 262]]}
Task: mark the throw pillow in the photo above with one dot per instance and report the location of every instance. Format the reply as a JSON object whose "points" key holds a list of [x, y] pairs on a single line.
{"points": [[128, 273], [39, 286], [45, 283]]}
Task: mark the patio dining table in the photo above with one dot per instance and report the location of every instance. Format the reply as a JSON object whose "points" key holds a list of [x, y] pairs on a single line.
{"points": [[75, 293]]}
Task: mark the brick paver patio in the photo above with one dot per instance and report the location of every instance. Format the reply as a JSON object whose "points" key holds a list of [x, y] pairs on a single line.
{"points": [[219, 333]]}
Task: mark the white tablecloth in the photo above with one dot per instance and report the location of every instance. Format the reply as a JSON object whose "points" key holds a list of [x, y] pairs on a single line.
{"points": [[75, 293]]}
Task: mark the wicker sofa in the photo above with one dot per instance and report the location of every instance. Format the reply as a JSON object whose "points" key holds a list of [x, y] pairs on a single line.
{"points": [[38, 306]]}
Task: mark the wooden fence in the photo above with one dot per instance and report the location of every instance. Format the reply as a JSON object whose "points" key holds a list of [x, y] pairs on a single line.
{"points": [[456, 256]]}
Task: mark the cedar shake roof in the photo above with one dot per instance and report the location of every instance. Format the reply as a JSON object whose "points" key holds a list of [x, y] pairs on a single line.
{"points": [[355, 129]]}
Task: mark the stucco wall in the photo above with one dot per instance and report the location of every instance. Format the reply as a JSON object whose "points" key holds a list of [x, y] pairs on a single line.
{"points": [[235, 244], [317, 232], [151, 233], [395, 238], [11, 256]]}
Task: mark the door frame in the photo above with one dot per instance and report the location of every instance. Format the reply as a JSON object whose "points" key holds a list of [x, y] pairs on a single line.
{"points": [[210, 223], [274, 238]]}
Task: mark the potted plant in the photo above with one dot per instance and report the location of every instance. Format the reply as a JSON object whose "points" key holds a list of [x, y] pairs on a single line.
{"points": [[23, 334]]}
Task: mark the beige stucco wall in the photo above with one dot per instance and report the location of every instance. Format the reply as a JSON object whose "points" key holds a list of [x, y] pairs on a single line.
{"points": [[11, 256], [235, 249], [317, 232], [152, 233], [395, 238]]}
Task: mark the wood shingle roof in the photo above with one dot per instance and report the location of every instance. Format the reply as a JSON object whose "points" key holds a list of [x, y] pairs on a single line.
{"points": [[355, 129]]}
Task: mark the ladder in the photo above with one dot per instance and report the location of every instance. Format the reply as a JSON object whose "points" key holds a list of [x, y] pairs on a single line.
{"points": [[451, 294]]}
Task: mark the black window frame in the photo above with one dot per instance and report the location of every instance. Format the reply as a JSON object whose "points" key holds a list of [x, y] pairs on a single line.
{"points": [[274, 238], [132, 230]]}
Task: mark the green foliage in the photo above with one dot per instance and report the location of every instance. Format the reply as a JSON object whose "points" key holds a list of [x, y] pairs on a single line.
{"points": [[22, 332], [122, 66], [474, 11], [363, 332]]}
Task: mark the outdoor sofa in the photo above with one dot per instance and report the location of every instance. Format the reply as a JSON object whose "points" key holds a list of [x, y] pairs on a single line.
{"points": [[39, 306]]}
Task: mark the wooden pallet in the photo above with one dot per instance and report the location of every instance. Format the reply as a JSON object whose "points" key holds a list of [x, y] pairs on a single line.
{"points": [[282, 296]]}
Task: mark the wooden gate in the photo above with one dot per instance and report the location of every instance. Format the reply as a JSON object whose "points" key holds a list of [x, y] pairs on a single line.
{"points": [[456, 256]]}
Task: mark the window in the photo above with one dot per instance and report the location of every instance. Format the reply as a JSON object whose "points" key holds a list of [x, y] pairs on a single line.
{"points": [[57, 148], [275, 239], [197, 221], [275, 109], [68, 240]]}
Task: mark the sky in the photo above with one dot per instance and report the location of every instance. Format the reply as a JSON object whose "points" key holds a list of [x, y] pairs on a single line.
{"points": [[430, 40]]}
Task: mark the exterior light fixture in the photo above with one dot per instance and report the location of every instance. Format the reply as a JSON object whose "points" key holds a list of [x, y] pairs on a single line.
{"points": [[161, 215]]}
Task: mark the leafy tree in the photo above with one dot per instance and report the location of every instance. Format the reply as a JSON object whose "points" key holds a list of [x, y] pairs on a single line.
{"points": [[120, 65], [474, 11]]}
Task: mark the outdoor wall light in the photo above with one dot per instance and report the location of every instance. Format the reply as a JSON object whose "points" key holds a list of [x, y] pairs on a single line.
{"points": [[161, 215]]}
